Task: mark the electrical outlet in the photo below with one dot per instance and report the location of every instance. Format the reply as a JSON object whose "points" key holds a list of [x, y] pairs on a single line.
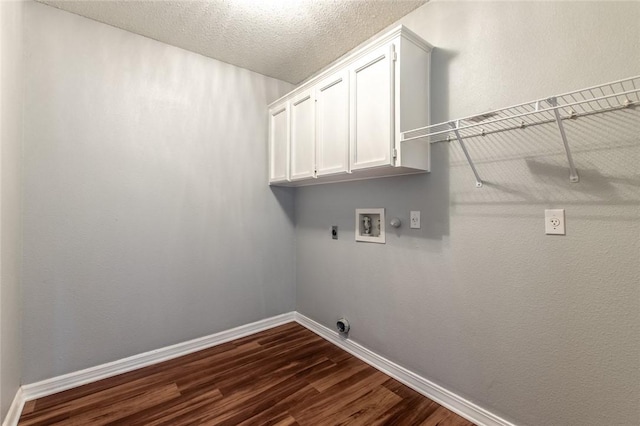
{"points": [[415, 220], [334, 232], [554, 222]]}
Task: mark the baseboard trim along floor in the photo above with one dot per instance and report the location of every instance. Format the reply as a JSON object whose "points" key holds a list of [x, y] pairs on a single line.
{"points": [[15, 409], [93, 374], [442, 396]]}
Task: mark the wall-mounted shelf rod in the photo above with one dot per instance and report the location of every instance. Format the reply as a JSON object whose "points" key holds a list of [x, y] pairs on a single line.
{"points": [[522, 125], [608, 97]]}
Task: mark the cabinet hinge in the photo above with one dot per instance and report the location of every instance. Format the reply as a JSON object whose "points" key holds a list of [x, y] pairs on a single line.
{"points": [[394, 56], [395, 153]]}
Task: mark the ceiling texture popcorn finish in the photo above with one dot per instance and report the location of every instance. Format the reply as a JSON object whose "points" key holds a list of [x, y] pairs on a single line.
{"points": [[285, 39]]}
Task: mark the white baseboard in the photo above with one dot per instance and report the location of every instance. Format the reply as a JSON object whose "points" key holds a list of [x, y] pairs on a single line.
{"points": [[15, 409], [93, 374], [452, 401], [442, 396]]}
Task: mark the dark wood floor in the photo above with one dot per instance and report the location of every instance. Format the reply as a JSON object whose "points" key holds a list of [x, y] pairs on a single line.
{"points": [[283, 376]]}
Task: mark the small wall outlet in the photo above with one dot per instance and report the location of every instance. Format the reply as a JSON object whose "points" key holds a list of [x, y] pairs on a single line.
{"points": [[554, 222], [415, 219], [334, 232]]}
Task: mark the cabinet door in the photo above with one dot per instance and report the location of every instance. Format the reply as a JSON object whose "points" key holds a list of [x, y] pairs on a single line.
{"points": [[372, 109], [279, 143], [332, 124], [303, 136]]}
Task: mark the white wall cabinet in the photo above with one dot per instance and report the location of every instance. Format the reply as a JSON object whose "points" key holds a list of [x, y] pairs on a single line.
{"points": [[303, 134], [279, 143], [345, 123], [372, 136], [332, 124]]}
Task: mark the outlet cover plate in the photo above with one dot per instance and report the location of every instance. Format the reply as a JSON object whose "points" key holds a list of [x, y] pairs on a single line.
{"points": [[554, 222], [415, 219]]}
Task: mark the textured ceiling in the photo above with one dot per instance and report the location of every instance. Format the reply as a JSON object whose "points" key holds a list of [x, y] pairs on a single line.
{"points": [[286, 39]]}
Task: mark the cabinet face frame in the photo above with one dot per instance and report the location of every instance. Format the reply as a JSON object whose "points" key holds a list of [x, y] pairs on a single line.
{"points": [[386, 55], [302, 143], [279, 142], [338, 84]]}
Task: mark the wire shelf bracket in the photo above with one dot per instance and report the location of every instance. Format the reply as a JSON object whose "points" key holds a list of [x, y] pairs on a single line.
{"points": [[573, 173], [454, 126], [606, 97]]}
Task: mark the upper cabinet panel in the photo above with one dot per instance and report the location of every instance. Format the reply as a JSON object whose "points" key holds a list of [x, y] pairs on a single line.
{"points": [[345, 123], [372, 84], [279, 143], [332, 124], [303, 136]]}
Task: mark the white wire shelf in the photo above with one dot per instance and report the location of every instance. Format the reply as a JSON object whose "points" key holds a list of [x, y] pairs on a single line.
{"points": [[592, 100]]}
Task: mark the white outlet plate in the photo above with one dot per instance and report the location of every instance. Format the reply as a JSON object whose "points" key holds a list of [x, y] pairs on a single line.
{"points": [[554, 222], [415, 220]]}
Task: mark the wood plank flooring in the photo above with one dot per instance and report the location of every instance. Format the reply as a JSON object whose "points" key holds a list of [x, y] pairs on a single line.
{"points": [[283, 376]]}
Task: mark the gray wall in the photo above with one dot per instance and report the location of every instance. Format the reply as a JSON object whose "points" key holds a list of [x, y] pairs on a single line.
{"points": [[11, 85], [542, 330], [148, 220]]}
